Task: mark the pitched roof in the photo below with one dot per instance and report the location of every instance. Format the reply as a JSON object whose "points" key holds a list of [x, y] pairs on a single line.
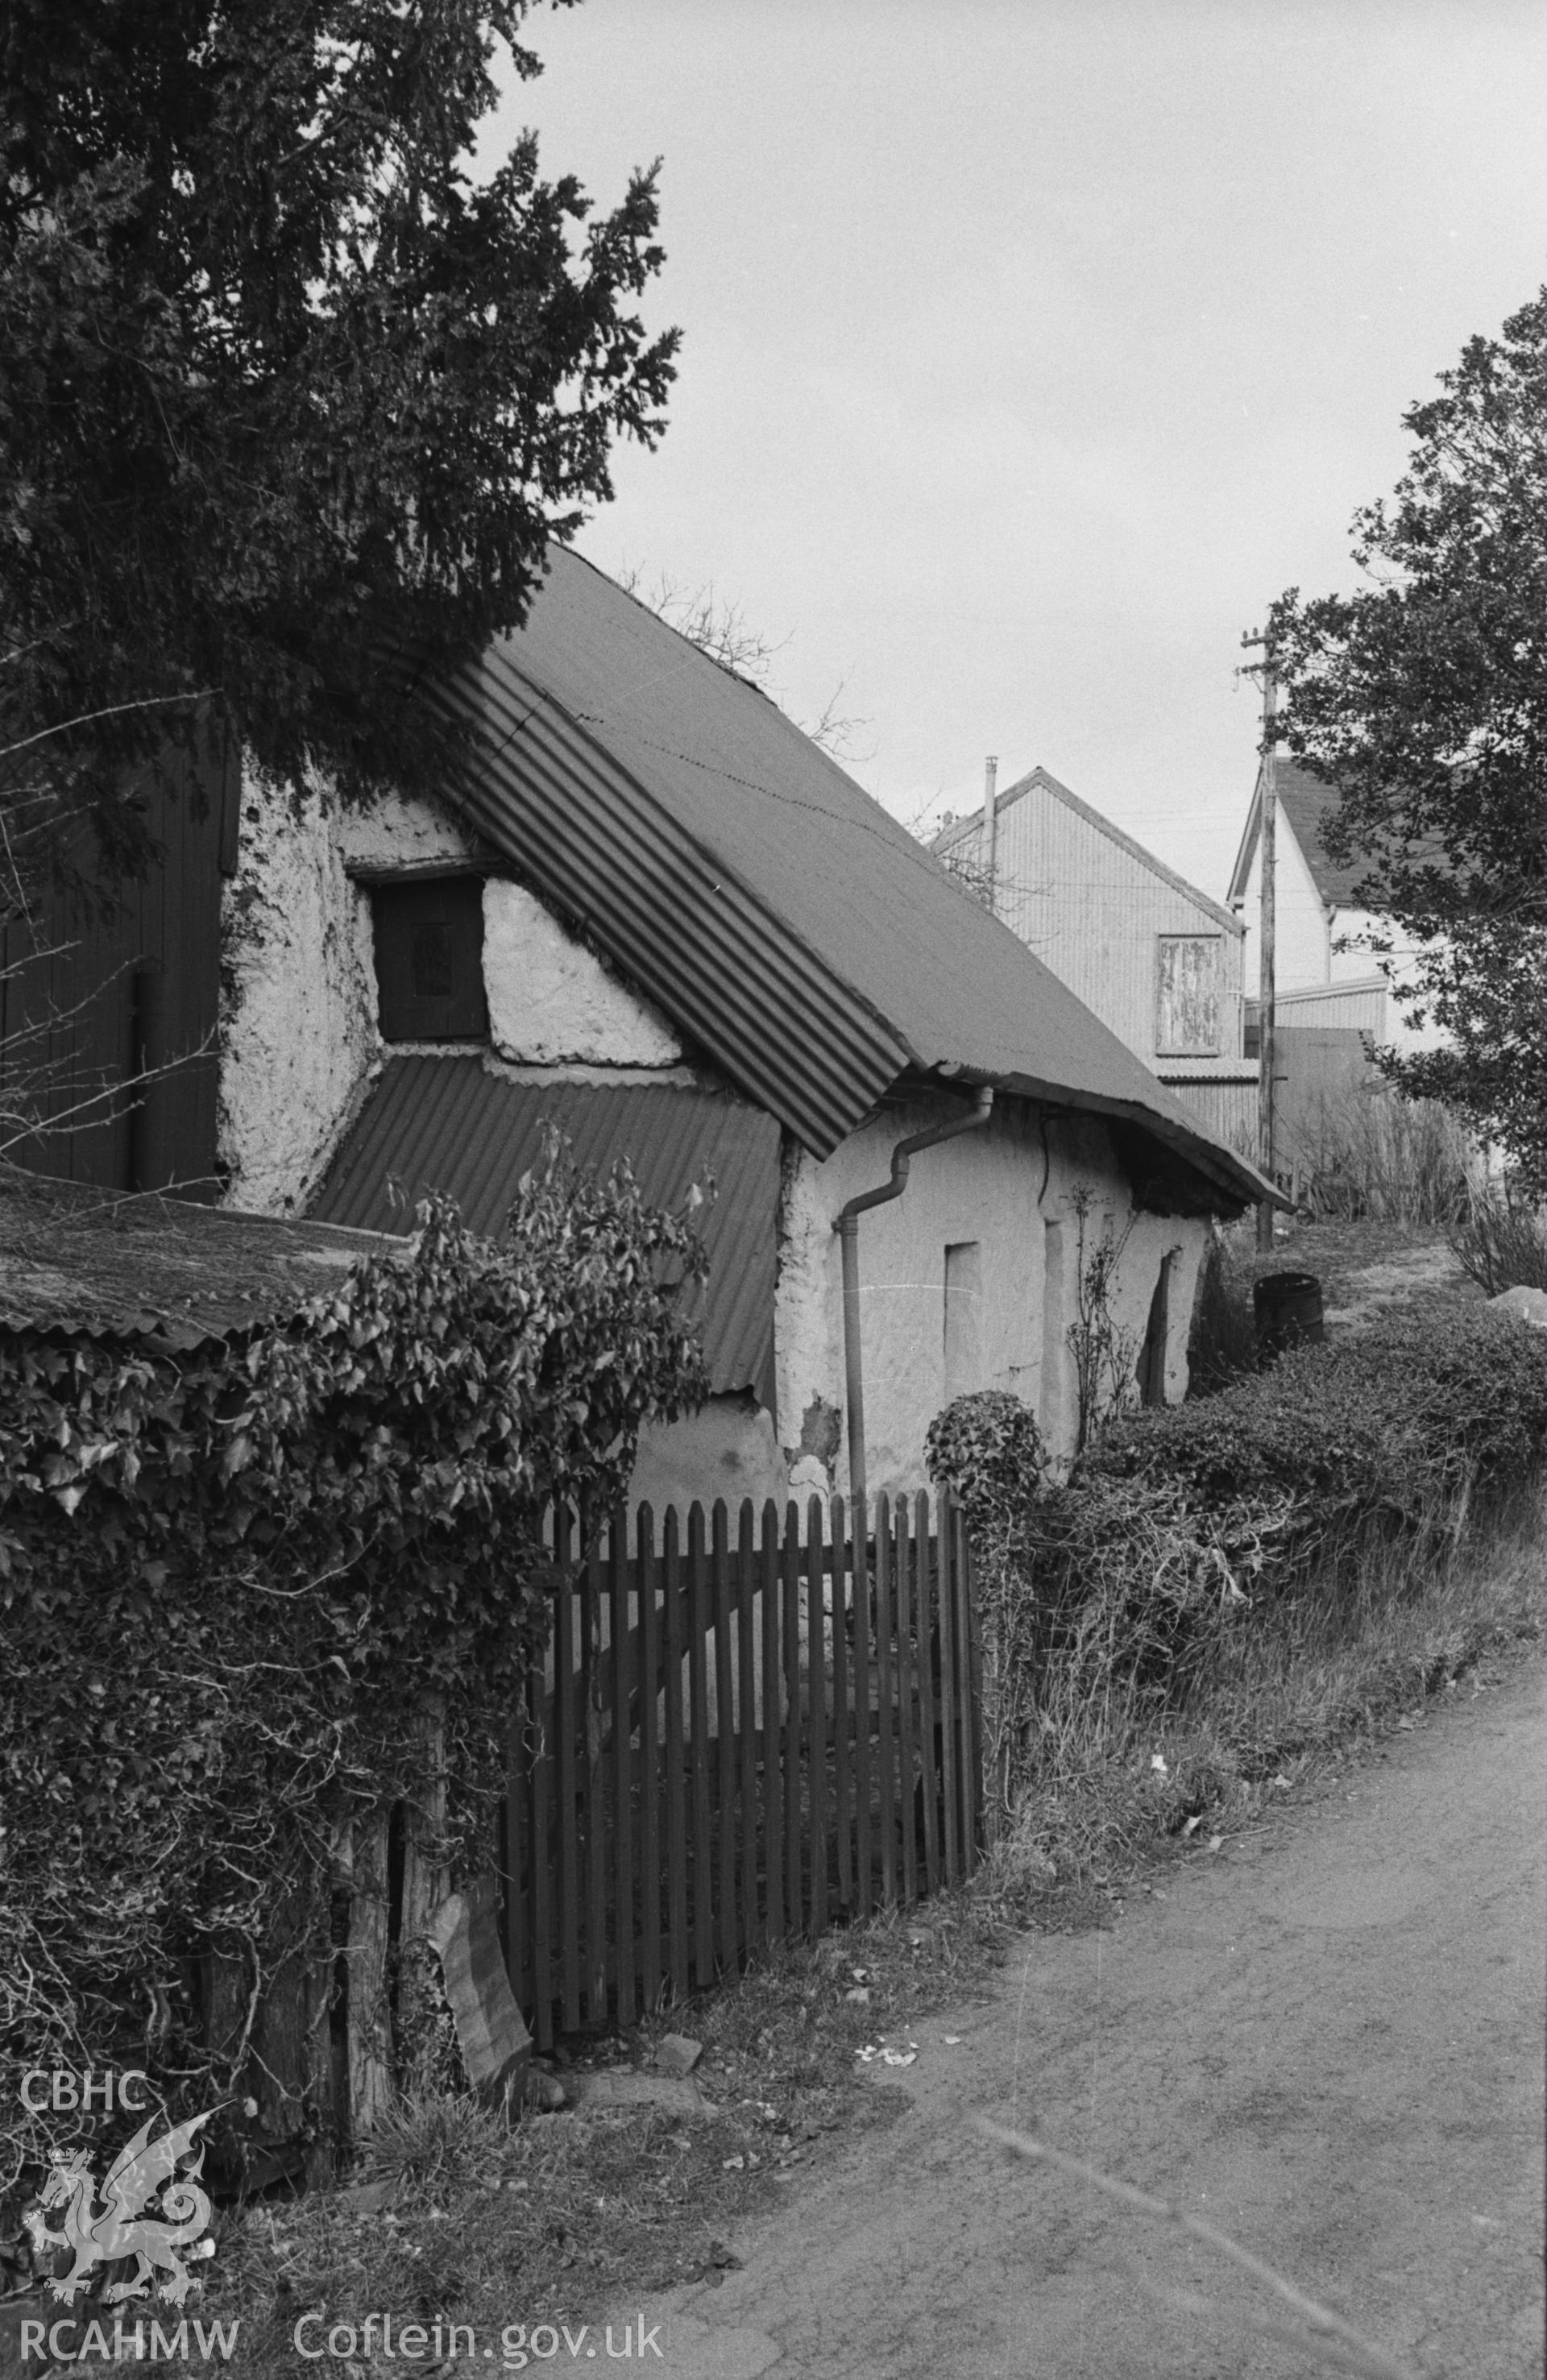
{"points": [[1306, 802], [1040, 780], [78, 1258], [460, 1126], [788, 926]]}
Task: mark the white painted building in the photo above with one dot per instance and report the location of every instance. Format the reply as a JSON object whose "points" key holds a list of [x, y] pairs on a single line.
{"points": [[653, 911], [1328, 978]]}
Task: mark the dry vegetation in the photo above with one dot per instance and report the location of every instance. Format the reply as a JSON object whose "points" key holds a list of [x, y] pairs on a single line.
{"points": [[492, 2226], [1116, 1777]]}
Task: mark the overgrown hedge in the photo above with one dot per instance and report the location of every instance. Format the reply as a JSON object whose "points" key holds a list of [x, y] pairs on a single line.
{"points": [[229, 1579], [1390, 1424], [1183, 1520]]}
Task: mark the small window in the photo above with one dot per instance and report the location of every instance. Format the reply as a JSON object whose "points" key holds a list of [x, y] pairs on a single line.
{"points": [[1187, 1006], [430, 960]]}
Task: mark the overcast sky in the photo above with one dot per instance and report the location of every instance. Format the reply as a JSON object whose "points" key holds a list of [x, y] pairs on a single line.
{"points": [[1030, 346]]}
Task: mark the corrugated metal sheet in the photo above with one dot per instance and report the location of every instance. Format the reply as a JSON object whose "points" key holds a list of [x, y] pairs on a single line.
{"points": [[1093, 905], [458, 1125], [1042, 781], [800, 935], [1359, 1004], [1223, 1098], [160, 1269]]}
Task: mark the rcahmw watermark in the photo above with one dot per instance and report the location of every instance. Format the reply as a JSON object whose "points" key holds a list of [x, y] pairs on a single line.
{"points": [[73, 2341]]}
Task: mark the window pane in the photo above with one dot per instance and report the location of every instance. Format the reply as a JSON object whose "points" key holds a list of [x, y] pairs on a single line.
{"points": [[1188, 1005], [430, 959]]}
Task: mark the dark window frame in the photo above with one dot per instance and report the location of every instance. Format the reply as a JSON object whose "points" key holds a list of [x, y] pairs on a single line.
{"points": [[427, 934]]}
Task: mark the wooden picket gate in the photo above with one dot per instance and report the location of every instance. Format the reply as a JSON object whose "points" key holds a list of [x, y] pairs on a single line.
{"points": [[729, 1744]]}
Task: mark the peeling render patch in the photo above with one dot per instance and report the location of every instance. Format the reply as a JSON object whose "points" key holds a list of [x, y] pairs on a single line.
{"points": [[401, 832], [297, 1001], [808, 1303], [551, 1001], [726, 1449]]}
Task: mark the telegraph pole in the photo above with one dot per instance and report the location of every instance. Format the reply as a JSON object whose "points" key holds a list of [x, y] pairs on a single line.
{"points": [[991, 832], [1267, 845]]}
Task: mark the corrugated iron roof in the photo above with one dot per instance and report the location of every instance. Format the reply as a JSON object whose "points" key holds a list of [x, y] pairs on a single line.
{"points": [[794, 930], [78, 1258], [1039, 780], [460, 1126]]}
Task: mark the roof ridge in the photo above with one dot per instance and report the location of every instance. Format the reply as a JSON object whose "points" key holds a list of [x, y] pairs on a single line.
{"points": [[1045, 778]]}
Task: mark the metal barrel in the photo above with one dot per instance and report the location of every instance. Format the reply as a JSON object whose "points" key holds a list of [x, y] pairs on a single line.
{"points": [[1287, 1306]]}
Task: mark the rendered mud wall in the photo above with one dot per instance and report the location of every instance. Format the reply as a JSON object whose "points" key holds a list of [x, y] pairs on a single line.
{"points": [[967, 1281]]}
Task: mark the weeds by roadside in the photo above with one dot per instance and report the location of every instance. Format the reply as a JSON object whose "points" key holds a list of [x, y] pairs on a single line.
{"points": [[453, 2216], [1501, 1243], [1365, 1152], [1115, 1775]]}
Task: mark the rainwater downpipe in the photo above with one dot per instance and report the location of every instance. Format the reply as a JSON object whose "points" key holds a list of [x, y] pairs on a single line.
{"points": [[847, 1225]]}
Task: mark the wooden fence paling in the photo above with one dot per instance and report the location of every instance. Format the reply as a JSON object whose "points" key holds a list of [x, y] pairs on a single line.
{"points": [[904, 1573], [623, 1779], [637, 1858], [595, 1792], [929, 1772], [773, 1732], [702, 1853], [946, 1640], [568, 1787], [649, 1763], [541, 1770], [747, 1720], [677, 1826], [647, 1845], [842, 1804], [790, 1585], [816, 1672], [518, 1853], [725, 1723], [969, 1689], [864, 1609], [369, 2024], [884, 1753]]}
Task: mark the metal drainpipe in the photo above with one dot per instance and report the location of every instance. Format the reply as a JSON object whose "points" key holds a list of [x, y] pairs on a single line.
{"points": [[847, 1225]]}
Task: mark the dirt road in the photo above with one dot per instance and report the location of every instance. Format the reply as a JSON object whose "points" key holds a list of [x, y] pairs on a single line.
{"points": [[1328, 2040]]}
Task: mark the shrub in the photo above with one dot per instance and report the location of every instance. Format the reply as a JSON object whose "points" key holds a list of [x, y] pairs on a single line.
{"points": [[230, 1580], [1501, 1243], [1185, 1521], [1391, 1424], [988, 1453]]}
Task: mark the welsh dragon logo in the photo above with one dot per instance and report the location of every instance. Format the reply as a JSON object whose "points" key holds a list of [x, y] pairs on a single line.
{"points": [[142, 2167]]}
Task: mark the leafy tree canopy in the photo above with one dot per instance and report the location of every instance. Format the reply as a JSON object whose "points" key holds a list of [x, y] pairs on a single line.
{"points": [[288, 388], [1423, 699]]}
